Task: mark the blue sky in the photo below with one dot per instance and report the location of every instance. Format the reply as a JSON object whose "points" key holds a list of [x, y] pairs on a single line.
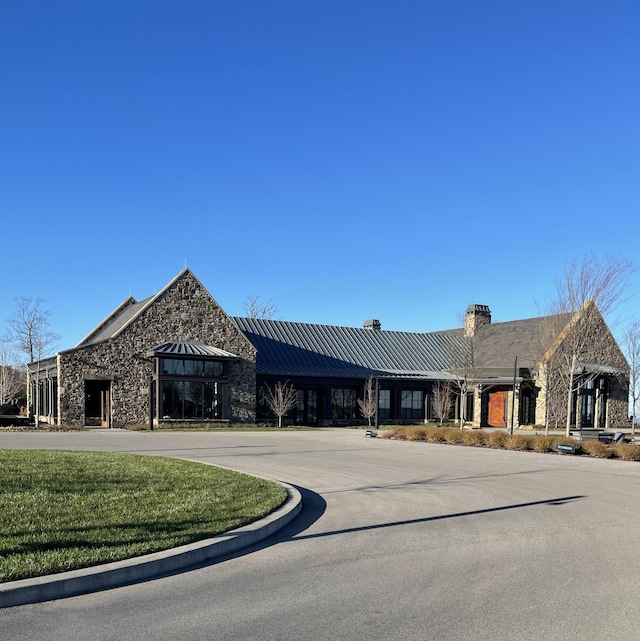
{"points": [[347, 160]]}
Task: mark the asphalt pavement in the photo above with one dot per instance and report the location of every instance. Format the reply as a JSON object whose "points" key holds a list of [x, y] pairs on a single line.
{"points": [[395, 540]]}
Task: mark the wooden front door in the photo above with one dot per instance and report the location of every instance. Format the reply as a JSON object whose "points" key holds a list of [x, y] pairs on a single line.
{"points": [[497, 415]]}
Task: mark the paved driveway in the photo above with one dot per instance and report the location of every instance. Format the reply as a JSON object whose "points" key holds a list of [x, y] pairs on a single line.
{"points": [[396, 541]]}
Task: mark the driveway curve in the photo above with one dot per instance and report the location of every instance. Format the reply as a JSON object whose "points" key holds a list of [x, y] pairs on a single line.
{"points": [[396, 540]]}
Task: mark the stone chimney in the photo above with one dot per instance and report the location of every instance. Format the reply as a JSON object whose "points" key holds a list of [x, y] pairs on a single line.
{"points": [[475, 317], [373, 325]]}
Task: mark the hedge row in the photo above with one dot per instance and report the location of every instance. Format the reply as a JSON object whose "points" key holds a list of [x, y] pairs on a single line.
{"points": [[521, 442]]}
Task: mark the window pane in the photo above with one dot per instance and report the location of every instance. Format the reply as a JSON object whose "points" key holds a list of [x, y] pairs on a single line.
{"points": [[384, 403], [173, 366], [312, 415], [213, 368], [172, 393], [343, 403], [411, 404], [192, 368], [213, 400], [193, 399]]}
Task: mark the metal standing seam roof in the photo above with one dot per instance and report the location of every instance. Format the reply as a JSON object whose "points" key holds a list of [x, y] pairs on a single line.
{"points": [[188, 348], [114, 323], [304, 349]]}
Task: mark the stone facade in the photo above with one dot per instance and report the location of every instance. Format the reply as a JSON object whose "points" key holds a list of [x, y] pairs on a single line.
{"points": [[596, 351], [116, 365], [183, 311]]}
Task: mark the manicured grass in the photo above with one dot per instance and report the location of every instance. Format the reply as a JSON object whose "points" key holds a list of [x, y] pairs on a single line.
{"points": [[62, 510]]}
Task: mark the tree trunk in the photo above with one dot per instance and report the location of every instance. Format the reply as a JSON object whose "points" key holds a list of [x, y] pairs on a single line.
{"points": [[570, 394]]}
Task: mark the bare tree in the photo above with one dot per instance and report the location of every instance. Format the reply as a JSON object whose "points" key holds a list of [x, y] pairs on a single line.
{"points": [[462, 362], [11, 377], [280, 398], [631, 343], [442, 400], [29, 329], [584, 294], [255, 307], [368, 404]]}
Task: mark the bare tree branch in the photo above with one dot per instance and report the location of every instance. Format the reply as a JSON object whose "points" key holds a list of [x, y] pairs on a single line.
{"points": [[368, 404], [257, 308], [442, 400], [280, 398], [12, 381], [29, 328], [584, 294], [631, 343]]}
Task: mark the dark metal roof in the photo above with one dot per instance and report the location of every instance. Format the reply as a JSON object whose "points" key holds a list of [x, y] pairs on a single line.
{"points": [[188, 348], [116, 321], [303, 349]]}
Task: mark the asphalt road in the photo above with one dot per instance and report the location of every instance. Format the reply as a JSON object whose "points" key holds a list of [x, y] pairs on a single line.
{"points": [[396, 541]]}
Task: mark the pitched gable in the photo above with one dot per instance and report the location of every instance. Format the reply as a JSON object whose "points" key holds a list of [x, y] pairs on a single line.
{"points": [[496, 345], [115, 322], [182, 311]]}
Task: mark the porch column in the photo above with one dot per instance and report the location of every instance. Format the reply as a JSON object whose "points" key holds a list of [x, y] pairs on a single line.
{"points": [[514, 419], [477, 406]]}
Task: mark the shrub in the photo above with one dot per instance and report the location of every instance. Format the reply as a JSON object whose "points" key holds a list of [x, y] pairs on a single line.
{"points": [[627, 451], [497, 439], [518, 442], [474, 437], [437, 434], [394, 433], [453, 435], [597, 449], [416, 433], [543, 443]]}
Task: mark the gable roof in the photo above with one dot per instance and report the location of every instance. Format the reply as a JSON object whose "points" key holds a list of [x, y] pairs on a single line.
{"points": [[125, 314], [498, 344], [303, 349], [116, 321]]}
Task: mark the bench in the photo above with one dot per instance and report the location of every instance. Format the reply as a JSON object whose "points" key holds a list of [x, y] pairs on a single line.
{"points": [[585, 435], [591, 434]]}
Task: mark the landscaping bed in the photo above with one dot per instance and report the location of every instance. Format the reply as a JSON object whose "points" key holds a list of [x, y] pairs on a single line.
{"points": [[498, 439]]}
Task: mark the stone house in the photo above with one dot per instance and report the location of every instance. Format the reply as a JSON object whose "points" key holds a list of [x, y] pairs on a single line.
{"points": [[176, 347], [177, 358]]}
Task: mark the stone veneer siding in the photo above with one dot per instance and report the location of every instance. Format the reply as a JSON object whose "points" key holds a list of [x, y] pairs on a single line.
{"points": [[599, 346], [184, 311]]}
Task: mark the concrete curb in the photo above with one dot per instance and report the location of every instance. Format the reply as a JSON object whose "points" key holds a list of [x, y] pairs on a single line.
{"points": [[149, 566]]}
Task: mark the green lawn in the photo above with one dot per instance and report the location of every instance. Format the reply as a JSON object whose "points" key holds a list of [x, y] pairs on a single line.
{"points": [[63, 510]]}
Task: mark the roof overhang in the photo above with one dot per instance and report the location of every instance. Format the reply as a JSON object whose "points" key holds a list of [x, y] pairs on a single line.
{"points": [[188, 348], [597, 369]]}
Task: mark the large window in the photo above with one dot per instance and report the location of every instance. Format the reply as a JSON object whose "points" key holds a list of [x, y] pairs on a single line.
{"points": [[192, 368], [411, 405], [384, 404], [343, 403], [191, 399], [187, 390], [601, 399], [593, 403]]}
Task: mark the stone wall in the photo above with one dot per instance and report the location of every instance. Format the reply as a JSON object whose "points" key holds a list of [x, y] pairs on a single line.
{"points": [[590, 338], [184, 311]]}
